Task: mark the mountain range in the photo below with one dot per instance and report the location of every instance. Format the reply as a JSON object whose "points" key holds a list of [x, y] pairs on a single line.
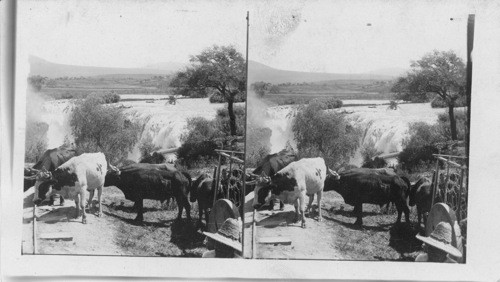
{"points": [[257, 72]]}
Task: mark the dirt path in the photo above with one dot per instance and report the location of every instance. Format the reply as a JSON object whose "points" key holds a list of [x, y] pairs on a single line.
{"points": [[336, 237], [97, 237]]}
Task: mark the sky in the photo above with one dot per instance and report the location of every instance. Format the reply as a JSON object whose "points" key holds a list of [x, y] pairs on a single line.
{"points": [[315, 35]]}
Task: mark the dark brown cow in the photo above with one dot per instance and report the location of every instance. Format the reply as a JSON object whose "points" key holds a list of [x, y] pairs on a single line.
{"points": [[421, 196], [372, 186], [142, 181]]}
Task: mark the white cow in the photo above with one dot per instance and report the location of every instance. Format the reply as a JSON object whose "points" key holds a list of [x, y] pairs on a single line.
{"points": [[73, 178], [293, 183]]}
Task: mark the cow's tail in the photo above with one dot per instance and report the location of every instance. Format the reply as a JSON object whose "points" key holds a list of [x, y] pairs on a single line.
{"points": [[408, 184]]}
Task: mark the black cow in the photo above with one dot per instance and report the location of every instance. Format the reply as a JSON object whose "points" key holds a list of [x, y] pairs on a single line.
{"points": [[270, 165], [421, 196], [141, 181], [372, 186], [202, 190], [49, 161]]}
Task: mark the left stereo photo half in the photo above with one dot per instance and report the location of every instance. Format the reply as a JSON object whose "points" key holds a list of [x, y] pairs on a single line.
{"points": [[134, 129]]}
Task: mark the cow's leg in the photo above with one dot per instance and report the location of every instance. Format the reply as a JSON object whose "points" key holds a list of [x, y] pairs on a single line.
{"points": [[296, 205], [309, 205], [82, 205], [138, 205], [200, 210], [180, 206], [407, 212], [302, 202], [99, 198], [77, 206], [320, 194], [358, 211], [206, 217], [187, 206], [61, 200], [91, 197]]}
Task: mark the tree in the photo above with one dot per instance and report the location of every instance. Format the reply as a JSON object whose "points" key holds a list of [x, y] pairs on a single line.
{"points": [[102, 128], [260, 87], [441, 73], [326, 134], [218, 68], [36, 82]]}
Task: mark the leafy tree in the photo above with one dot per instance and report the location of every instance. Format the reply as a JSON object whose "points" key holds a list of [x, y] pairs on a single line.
{"points": [[36, 82], [441, 73], [274, 89], [218, 68], [324, 134], [260, 87], [102, 128]]}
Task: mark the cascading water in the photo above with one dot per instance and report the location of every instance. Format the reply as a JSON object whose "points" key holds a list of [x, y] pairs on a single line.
{"points": [[165, 123], [382, 127]]}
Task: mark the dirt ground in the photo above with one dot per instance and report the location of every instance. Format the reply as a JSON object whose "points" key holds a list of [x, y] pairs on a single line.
{"points": [[116, 233], [336, 237]]}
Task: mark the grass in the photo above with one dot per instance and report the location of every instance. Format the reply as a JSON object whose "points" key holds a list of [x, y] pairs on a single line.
{"points": [[160, 234]]}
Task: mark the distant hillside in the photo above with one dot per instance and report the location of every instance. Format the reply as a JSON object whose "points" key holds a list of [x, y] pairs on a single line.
{"points": [[42, 67], [261, 72]]}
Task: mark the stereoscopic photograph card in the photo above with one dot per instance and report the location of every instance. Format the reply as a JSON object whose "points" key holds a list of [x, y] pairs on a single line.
{"points": [[252, 140]]}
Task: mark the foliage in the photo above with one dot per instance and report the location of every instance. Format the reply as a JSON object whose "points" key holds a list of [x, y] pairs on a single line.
{"points": [[199, 143], [102, 128], [413, 158], [423, 134], [438, 102], [220, 69], [36, 82], [111, 97], [329, 103], [172, 100], [222, 118], [258, 145], [262, 88], [36, 140], [217, 98], [324, 134], [444, 124], [441, 73]]}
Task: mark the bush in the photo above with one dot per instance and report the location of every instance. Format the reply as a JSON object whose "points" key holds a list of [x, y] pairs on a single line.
{"points": [[222, 120], [146, 146], [329, 103], [423, 134], [36, 140], [444, 124], [110, 98], [416, 158], [324, 134], [100, 128]]}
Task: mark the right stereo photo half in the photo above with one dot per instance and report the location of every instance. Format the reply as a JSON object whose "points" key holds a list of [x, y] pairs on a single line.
{"points": [[357, 133]]}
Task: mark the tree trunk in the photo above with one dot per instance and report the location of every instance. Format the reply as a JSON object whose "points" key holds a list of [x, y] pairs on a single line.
{"points": [[232, 116], [453, 122]]}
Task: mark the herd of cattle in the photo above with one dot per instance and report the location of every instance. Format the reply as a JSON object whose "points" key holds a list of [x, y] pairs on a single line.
{"points": [[280, 176], [60, 171], [283, 177]]}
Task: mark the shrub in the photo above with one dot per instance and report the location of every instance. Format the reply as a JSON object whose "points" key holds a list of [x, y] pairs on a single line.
{"points": [[324, 134], [416, 158], [422, 134], [110, 98], [36, 140], [444, 124], [222, 120], [100, 128], [146, 146]]}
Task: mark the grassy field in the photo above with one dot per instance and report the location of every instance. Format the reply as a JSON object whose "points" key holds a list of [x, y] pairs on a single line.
{"points": [[339, 89], [79, 87]]}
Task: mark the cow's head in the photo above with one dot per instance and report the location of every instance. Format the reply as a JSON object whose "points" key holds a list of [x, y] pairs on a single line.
{"points": [[413, 190], [262, 191], [112, 176]]}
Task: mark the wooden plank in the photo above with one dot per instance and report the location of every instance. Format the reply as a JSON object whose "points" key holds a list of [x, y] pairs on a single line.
{"points": [[56, 236], [168, 151], [230, 157], [450, 162], [275, 240]]}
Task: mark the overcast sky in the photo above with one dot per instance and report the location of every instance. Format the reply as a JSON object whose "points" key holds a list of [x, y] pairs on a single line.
{"points": [[326, 36]]}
